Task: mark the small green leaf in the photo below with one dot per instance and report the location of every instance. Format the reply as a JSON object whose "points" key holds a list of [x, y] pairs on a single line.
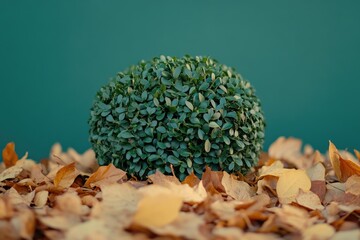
{"points": [[156, 102], [226, 140], [161, 129], [189, 105], [201, 97], [201, 134], [173, 160], [177, 72], [227, 126], [207, 145], [231, 166], [204, 86], [125, 134], [109, 118], [214, 125], [207, 117], [168, 101], [150, 148]]}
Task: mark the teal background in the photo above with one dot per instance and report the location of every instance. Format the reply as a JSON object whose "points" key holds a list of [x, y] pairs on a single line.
{"points": [[301, 56]]}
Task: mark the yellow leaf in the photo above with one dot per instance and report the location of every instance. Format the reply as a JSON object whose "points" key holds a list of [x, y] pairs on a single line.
{"points": [[357, 154], [352, 185], [157, 210], [207, 145], [189, 105], [320, 231], [9, 155], [290, 183], [105, 175], [66, 176], [343, 168], [41, 198]]}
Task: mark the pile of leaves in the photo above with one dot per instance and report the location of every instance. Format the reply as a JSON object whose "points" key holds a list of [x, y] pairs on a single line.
{"points": [[294, 192]]}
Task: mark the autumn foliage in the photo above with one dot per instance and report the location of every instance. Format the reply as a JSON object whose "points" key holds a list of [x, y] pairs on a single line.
{"points": [[290, 194]]}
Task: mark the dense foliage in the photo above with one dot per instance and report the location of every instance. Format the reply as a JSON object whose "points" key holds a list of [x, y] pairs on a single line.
{"points": [[186, 112]]}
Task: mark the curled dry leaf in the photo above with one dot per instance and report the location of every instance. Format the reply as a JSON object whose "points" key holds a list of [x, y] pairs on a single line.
{"points": [[9, 155], [11, 172], [41, 198], [238, 190], [105, 175], [290, 183], [343, 168], [66, 176]]}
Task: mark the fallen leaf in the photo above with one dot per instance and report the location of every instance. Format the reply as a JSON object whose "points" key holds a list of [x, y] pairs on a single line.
{"points": [[357, 154], [105, 175], [316, 172], [10, 172], [343, 168], [320, 231], [212, 181], [60, 222], [157, 210], [290, 183], [41, 198], [238, 190], [309, 200], [69, 203], [9, 155], [192, 180], [276, 169], [319, 188], [24, 223], [15, 198], [66, 176], [289, 150], [163, 180], [352, 234], [186, 225], [352, 185], [229, 233]]}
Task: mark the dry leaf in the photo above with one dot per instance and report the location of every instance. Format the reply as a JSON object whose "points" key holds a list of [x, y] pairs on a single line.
{"points": [[238, 190], [192, 180], [41, 198], [65, 176], [157, 210], [24, 223], [309, 200], [212, 181], [290, 183], [316, 172], [9, 155], [343, 168], [318, 232], [11, 172], [105, 175], [186, 225], [344, 235], [357, 154], [352, 185]]}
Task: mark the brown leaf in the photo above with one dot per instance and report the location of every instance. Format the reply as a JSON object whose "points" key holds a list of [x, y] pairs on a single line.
{"points": [[238, 190], [192, 180], [105, 175], [161, 179], [290, 183], [343, 168], [41, 198], [9, 155], [319, 188], [10, 172], [212, 181], [66, 176]]}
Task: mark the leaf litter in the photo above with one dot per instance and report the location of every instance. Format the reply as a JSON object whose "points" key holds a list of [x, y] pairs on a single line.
{"points": [[291, 194]]}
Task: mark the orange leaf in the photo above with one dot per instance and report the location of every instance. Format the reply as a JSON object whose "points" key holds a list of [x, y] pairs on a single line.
{"points": [[357, 154], [105, 175], [343, 168], [9, 155], [66, 176], [192, 180]]}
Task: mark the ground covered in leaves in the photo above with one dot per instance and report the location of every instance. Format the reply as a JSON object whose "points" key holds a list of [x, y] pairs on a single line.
{"points": [[291, 194]]}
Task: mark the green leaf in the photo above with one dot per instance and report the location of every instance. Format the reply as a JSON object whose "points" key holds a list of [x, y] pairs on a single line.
{"points": [[204, 86], [231, 166], [177, 72], [150, 148], [161, 129], [207, 117], [125, 134], [109, 118], [156, 102], [201, 134], [173, 160], [214, 125], [227, 126], [226, 140], [189, 105]]}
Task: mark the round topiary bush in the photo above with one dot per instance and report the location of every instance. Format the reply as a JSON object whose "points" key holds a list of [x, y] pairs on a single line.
{"points": [[188, 112]]}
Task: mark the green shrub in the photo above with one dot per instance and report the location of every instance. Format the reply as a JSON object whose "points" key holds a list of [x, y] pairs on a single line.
{"points": [[186, 112]]}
